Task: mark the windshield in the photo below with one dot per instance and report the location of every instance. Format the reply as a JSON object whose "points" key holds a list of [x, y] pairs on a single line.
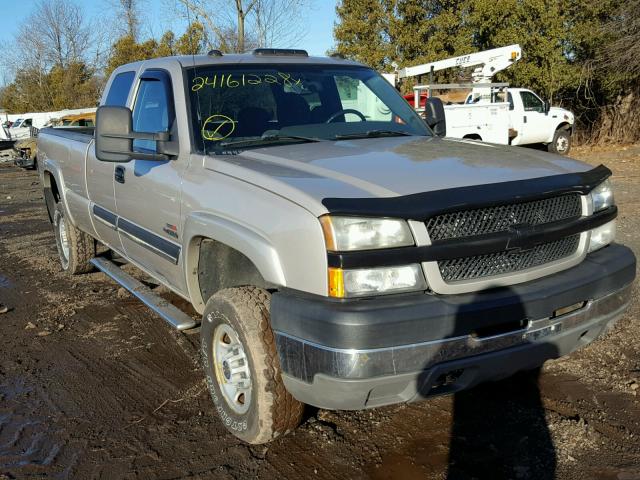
{"points": [[17, 123], [257, 105]]}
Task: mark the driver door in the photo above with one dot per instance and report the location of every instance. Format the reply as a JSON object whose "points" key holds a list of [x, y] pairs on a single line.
{"points": [[535, 121], [148, 192]]}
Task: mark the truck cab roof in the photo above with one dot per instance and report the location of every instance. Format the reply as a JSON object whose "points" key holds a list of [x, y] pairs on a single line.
{"points": [[258, 57]]}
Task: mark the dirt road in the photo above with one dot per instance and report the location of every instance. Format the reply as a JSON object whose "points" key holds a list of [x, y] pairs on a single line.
{"points": [[94, 386]]}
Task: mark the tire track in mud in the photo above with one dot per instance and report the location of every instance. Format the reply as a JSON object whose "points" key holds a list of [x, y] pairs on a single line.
{"points": [[32, 444]]}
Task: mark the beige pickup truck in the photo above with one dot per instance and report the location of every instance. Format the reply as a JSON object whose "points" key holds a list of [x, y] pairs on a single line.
{"points": [[342, 251]]}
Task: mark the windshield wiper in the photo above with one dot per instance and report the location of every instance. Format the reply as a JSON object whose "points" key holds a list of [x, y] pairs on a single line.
{"points": [[372, 134], [266, 139]]}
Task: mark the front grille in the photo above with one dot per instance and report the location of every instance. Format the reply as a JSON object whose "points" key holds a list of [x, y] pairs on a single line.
{"points": [[480, 221], [469, 268]]}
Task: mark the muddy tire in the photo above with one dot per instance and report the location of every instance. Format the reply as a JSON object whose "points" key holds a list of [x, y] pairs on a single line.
{"points": [[561, 143], [242, 367], [75, 248]]}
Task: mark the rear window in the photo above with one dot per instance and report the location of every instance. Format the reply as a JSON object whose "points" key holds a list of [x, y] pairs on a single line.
{"points": [[119, 90]]}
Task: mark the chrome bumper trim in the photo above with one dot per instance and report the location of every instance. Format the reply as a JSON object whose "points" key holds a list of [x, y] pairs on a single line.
{"points": [[303, 360]]}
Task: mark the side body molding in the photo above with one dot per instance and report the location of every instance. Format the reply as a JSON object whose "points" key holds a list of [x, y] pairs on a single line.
{"points": [[252, 244]]}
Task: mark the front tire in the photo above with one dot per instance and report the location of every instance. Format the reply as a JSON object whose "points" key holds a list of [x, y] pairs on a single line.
{"points": [[75, 248], [242, 367], [561, 143]]}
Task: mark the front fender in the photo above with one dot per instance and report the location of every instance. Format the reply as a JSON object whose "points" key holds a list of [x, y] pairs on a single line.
{"points": [[561, 124], [250, 243]]}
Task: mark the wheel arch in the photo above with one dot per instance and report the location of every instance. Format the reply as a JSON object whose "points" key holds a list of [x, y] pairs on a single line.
{"points": [[472, 136], [220, 254], [51, 192]]}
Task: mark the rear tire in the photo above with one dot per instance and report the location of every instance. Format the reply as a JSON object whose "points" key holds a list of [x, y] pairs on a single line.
{"points": [[561, 143], [75, 248], [242, 367]]}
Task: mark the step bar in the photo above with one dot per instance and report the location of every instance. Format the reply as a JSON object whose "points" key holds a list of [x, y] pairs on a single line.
{"points": [[165, 310]]}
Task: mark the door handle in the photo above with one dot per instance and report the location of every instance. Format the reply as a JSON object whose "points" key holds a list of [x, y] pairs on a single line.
{"points": [[119, 174], [525, 119]]}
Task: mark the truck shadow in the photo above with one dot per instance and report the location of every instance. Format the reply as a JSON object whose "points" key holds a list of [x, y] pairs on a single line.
{"points": [[499, 429]]}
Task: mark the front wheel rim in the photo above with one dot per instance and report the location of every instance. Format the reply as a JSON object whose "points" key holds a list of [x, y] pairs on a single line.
{"points": [[232, 368], [561, 144]]}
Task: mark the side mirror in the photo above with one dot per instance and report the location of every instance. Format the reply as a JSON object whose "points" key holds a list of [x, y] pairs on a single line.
{"points": [[547, 107], [114, 137], [434, 116]]}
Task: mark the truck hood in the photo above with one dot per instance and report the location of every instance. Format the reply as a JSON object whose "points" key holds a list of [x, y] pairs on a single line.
{"points": [[386, 167]]}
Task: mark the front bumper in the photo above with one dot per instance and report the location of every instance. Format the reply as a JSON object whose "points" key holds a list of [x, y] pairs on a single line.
{"points": [[362, 354]]}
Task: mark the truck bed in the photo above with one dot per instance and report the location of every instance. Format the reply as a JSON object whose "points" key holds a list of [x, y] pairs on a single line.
{"points": [[79, 134]]}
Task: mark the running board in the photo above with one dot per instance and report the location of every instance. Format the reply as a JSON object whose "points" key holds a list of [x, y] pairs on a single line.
{"points": [[168, 312]]}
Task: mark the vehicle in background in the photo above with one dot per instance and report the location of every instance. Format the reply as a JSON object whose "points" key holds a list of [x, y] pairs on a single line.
{"points": [[19, 126], [25, 153], [5, 137], [337, 251], [26, 150], [87, 119], [493, 112]]}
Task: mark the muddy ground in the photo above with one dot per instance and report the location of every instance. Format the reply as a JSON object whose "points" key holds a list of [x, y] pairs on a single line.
{"points": [[94, 386]]}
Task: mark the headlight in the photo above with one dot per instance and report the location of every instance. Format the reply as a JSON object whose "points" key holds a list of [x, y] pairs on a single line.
{"points": [[602, 196], [375, 281], [352, 233], [602, 236]]}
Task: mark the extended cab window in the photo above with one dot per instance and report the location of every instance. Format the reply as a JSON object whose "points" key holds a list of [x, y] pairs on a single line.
{"points": [[259, 105], [119, 90], [151, 112], [531, 102]]}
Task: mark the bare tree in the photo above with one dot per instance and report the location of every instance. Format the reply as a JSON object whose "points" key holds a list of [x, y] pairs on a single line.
{"points": [[243, 8], [56, 33], [242, 24], [622, 52], [128, 16], [276, 21]]}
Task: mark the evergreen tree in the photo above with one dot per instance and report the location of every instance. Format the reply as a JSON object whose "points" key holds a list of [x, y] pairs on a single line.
{"points": [[363, 31]]}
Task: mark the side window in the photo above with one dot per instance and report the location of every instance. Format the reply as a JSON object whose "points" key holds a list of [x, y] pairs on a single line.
{"points": [[531, 102], [151, 112], [119, 90], [27, 123]]}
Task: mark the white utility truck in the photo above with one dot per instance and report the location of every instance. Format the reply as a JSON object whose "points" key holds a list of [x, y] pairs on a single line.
{"points": [[493, 112]]}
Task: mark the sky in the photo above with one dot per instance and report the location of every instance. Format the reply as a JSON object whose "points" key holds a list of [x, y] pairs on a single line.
{"points": [[318, 23]]}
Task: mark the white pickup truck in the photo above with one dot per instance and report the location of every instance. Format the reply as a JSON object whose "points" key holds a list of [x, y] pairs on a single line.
{"points": [[532, 120], [514, 116]]}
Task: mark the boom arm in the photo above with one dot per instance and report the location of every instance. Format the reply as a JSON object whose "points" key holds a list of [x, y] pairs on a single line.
{"points": [[488, 63]]}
